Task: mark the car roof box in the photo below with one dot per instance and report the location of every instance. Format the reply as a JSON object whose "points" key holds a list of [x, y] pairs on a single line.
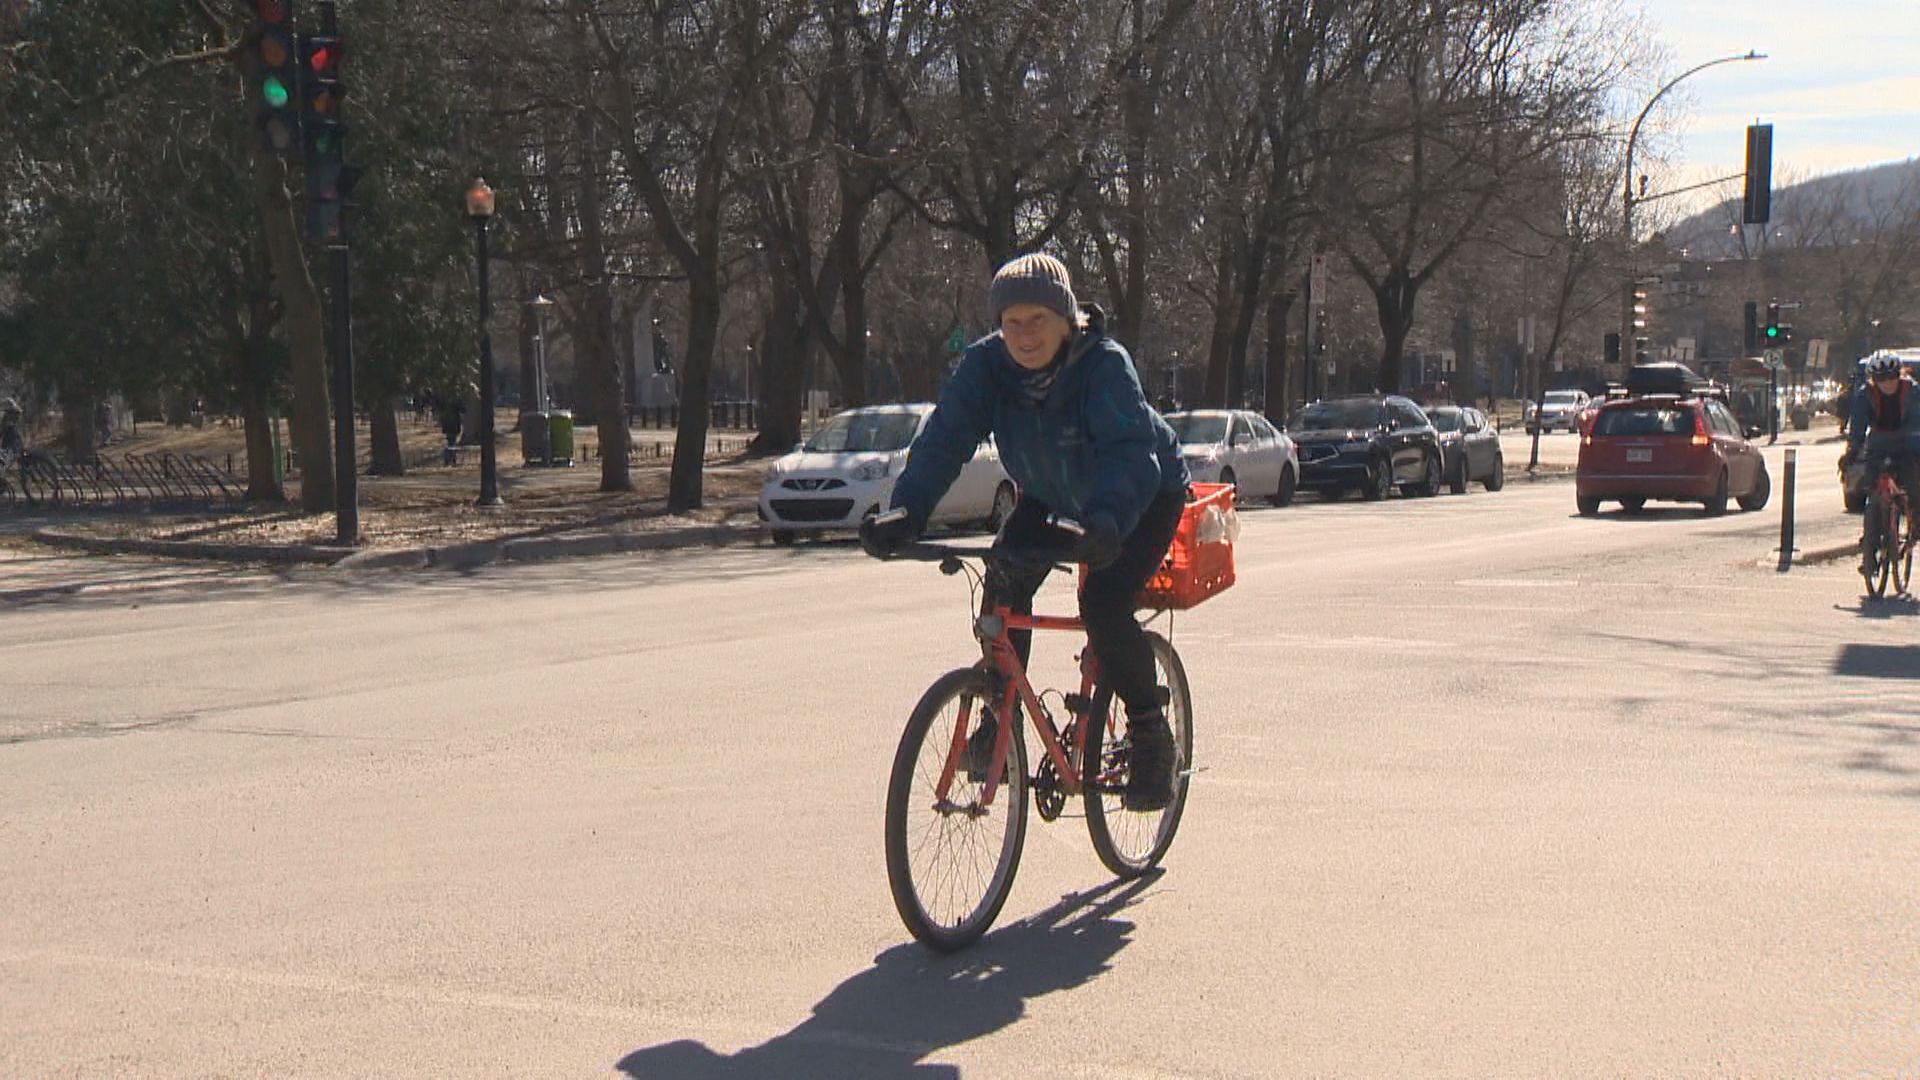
{"points": [[1663, 377]]}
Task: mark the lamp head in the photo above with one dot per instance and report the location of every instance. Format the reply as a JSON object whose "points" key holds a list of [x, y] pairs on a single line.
{"points": [[479, 200]]}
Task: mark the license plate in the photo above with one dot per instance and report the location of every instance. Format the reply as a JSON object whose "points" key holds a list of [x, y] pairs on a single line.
{"points": [[1640, 455]]}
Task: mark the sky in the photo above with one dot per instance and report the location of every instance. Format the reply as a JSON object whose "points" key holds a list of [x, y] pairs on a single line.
{"points": [[1840, 85]]}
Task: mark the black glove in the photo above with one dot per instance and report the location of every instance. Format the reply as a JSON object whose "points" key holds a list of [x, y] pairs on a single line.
{"points": [[882, 535], [1101, 544]]}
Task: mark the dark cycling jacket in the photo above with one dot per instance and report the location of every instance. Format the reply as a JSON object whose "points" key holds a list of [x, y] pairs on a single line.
{"points": [[1885, 415], [1093, 446]]}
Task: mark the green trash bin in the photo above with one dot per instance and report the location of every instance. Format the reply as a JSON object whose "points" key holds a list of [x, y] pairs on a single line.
{"points": [[560, 437], [534, 436]]}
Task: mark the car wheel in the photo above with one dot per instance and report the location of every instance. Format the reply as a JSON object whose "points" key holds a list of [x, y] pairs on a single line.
{"points": [[1458, 485], [1429, 484], [1633, 505], [1762, 488], [1498, 478], [1289, 484], [1588, 505], [1379, 481], [783, 537], [1004, 498], [1716, 504]]}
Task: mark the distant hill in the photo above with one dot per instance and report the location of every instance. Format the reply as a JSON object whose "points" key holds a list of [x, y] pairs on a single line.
{"points": [[1847, 195]]}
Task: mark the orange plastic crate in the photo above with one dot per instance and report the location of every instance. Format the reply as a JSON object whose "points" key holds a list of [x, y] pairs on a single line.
{"points": [[1195, 569]]}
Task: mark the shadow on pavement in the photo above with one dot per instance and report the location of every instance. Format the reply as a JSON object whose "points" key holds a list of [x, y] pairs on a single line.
{"points": [[1879, 662], [912, 1003], [1893, 607]]}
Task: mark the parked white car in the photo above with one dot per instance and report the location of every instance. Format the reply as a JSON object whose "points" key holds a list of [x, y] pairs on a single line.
{"points": [[846, 471], [1558, 409], [1238, 447]]}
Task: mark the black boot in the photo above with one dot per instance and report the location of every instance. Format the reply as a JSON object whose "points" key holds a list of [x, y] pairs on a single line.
{"points": [[1151, 764]]}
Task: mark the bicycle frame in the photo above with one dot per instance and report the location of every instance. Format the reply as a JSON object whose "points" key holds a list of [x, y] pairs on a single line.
{"points": [[994, 631], [1888, 493]]}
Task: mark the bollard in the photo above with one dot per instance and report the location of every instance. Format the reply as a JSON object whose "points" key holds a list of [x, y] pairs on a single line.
{"points": [[1786, 516]]}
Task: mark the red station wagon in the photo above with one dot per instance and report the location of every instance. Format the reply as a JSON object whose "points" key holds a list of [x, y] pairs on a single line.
{"points": [[1677, 448]]}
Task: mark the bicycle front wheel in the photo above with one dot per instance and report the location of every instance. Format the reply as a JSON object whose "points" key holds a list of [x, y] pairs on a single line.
{"points": [[950, 862], [1899, 550], [1881, 543], [1132, 842]]}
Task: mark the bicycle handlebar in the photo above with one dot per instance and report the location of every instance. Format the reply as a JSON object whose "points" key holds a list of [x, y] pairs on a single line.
{"points": [[923, 551]]}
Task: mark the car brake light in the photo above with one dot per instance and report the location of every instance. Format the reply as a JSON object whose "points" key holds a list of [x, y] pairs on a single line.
{"points": [[1700, 436]]}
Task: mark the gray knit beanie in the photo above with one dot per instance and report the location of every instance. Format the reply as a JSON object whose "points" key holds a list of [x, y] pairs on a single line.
{"points": [[1033, 279]]}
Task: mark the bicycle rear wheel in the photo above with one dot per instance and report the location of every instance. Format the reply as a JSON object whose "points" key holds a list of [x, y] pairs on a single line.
{"points": [[1132, 842], [951, 864], [1899, 549]]}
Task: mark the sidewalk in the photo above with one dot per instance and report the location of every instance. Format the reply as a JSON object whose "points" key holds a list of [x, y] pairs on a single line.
{"points": [[428, 518]]}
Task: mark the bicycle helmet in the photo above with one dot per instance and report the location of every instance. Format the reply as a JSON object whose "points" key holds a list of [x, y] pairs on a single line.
{"points": [[1883, 367]]}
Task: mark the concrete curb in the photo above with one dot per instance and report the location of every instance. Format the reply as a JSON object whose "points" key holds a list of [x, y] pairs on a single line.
{"points": [[543, 548], [278, 554], [1815, 556], [467, 556]]}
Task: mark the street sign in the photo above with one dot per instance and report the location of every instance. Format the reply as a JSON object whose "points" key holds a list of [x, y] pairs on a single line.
{"points": [[1775, 358], [956, 339]]}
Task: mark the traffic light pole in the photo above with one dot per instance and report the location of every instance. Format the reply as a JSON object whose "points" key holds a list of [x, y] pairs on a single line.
{"points": [[346, 481]]}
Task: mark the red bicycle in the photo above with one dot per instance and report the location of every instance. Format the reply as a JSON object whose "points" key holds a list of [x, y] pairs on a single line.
{"points": [[957, 800], [1889, 554]]}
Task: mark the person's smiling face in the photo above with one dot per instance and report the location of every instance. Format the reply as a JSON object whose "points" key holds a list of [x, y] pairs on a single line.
{"points": [[1034, 334]]}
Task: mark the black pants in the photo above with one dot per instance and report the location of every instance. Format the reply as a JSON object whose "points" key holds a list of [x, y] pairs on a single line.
{"points": [[1106, 602]]}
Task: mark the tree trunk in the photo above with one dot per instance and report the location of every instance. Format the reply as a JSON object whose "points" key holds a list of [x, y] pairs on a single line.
{"points": [[1220, 342], [685, 484], [262, 485], [784, 345], [385, 457], [1394, 301], [598, 349], [76, 426], [305, 330], [1279, 403]]}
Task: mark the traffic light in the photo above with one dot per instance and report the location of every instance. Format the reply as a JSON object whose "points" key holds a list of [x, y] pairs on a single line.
{"points": [[324, 136], [322, 91], [1774, 332], [276, 88], [1758, 201], [1641, 341]]}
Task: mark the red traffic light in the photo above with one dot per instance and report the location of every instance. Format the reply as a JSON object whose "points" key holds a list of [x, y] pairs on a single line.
{"points": [[271, 11], [322, 59]]}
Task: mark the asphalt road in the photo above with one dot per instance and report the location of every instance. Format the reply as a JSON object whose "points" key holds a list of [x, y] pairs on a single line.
{"points": [[1489, 790]]}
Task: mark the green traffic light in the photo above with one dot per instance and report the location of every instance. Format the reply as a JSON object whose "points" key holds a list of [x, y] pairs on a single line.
{"points": [[274, 92], [1773, 331]]}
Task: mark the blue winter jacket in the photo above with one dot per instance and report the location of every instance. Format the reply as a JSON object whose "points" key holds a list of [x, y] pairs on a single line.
{"points": [[1093, 446], [1890, 419]]}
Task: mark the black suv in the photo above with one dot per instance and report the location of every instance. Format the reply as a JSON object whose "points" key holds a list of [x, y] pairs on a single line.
{"points": [[1369, 444]]}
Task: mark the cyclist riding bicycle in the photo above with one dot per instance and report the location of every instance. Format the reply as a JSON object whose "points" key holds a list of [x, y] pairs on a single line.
{"points": [[1063, 403], [1886, 422]]}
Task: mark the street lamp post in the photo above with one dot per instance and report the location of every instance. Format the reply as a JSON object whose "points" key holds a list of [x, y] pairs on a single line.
{"points": [[540, 304], [1629, 345], [480, 211]]}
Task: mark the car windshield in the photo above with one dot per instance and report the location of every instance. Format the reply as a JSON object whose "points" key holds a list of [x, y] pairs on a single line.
{"points": [[1190, 429], [1563, 397], [859, 432], [1444, 420], [1644, 420], [1331, 415]]}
